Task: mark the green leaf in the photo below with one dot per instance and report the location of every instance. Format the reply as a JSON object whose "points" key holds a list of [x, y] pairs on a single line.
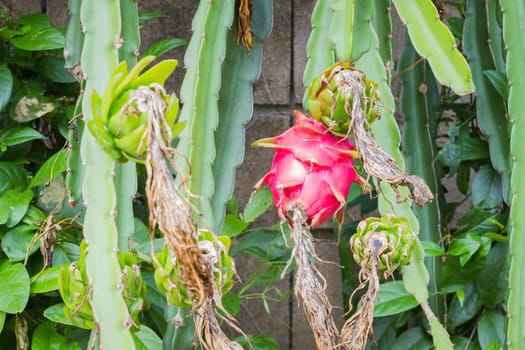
{"points": [[46, 281], [39, 20], [432, 248], [491, 282], [491, 329], [461, 312], [40, 40], [163, 46], [145, 338], [466, 246], [31, 108], [393, 299], [52, 68], [17, 241], [6, 85], [262, 245], [259, 342], [232, 303], [53, 166], [147, 16], [412, 339], [259, 202], [233, 226], [12, 176], [16, 135], [15, 283], [498, 81], [14, 205], [65, 253], [56, 314], [486, 188], [45, 337], [2, 320]]}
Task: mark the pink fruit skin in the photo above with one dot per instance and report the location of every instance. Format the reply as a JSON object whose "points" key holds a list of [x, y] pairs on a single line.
{"points": [[312, 169]]}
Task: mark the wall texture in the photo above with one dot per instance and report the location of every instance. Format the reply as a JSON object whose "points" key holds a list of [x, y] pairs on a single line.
{"points": [[277, 92]]}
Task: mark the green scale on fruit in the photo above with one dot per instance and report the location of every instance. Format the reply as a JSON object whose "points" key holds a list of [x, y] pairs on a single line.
{"points": [[328, 100], [119, 122]]}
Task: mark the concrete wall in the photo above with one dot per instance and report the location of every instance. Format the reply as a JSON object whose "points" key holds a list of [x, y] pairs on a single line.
{"points": [[277, 92]]}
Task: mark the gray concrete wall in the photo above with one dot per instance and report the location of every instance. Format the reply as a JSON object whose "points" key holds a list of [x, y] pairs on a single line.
{"points": [[277, 92]]}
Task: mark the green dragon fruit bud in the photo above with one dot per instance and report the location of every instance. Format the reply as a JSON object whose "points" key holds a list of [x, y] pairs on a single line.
{"points": [[329, 100], [75, 291], [119, 123], [385, 241], [215, 250]]}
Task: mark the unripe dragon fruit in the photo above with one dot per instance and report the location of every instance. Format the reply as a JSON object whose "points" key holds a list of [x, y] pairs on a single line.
{"points": [[312, 170]]}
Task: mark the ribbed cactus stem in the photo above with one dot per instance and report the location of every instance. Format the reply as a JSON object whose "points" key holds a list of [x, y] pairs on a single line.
{"points": [[101, 21], [308, 286], [513, 19]]}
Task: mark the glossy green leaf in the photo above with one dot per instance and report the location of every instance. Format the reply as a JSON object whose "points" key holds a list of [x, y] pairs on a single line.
{"points": [[53, 166], [393, 299], [46, 281], [12, 176], [259, 342], [14, 293], [433, 40], [491, 329], [259, 202], [56, 314], [148, 16], [491, 282], [40, 40], [432, 248], [461, 312], [412, 339], [16, 243], [146, 339], [14, 205], [498, 81], [487, 189], [233, 226], [65, 253], [232, 303], [2, 320], [6, 85], [16, 135], [52, 68], [262, 245], [39, 20], [45, 337], [163, 46]]}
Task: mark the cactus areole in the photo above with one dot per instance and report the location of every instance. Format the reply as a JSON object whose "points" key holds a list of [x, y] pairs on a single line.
{"points": [[312, 170]]}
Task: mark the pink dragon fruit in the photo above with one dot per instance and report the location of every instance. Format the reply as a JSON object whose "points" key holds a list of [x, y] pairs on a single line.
{"points": [[312, 169]]}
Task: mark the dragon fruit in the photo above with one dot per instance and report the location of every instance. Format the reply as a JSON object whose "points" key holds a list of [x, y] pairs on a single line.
{"points": [[312, 170]]}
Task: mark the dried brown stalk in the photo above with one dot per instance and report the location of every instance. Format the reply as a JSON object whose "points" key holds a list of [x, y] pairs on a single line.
{"points": [[308, 285], [171, 214], [244, 34], [376, 162]]}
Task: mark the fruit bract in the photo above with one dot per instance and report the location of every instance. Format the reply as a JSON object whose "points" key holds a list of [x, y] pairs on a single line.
{"points": [[312, 169]]}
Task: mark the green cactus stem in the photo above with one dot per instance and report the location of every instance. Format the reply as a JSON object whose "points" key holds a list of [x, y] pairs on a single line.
{"points": [[101, 23], [513, 19], [199, 92]]}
